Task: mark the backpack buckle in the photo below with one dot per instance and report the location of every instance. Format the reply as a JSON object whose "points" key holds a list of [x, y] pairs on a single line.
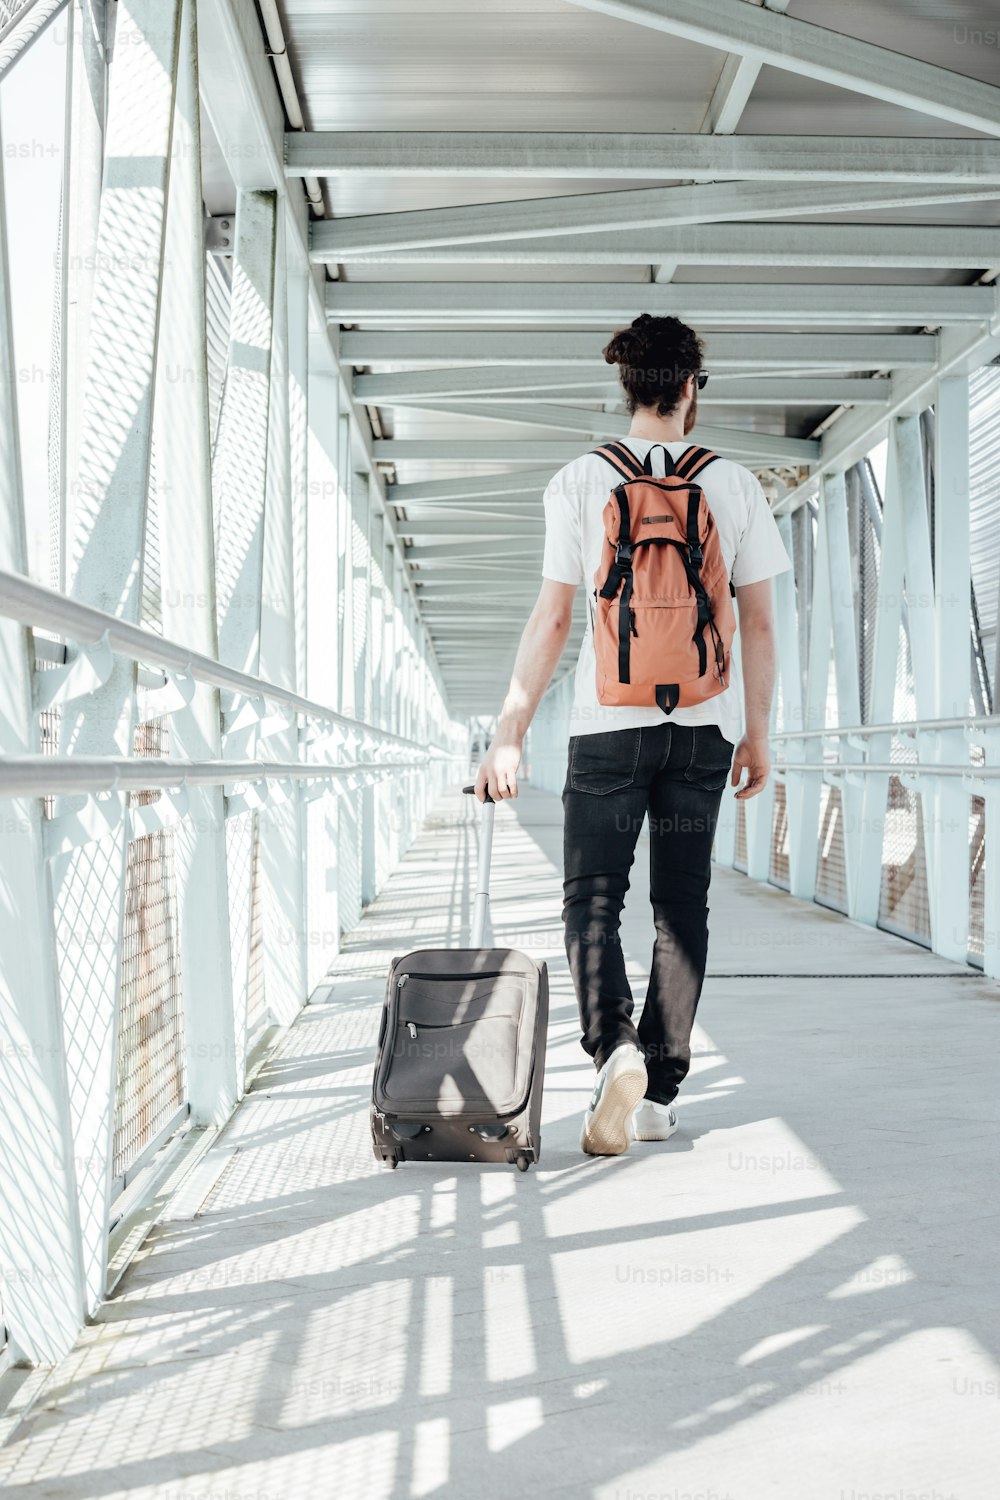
{"points": [[697, 556], [623, 555]]}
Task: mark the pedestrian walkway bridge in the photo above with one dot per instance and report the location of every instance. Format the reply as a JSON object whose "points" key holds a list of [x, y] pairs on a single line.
{"points": [[302, 304], [744, 1311]]}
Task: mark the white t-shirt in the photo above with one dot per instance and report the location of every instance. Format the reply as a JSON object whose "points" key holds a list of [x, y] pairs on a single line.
{"points": [[574, 533]]}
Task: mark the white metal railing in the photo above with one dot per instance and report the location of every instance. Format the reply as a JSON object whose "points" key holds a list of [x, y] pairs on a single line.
{"points": [[177, 874], [907, 771], [48, 775], [43, 608], [902, 726], [195, 980]]}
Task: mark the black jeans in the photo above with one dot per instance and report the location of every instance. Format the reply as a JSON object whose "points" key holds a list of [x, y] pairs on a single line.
{"points": [[676, 773]]}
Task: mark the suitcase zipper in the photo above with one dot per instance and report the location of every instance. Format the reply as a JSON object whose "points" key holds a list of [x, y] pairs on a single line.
{"points": [[447, 978], [414, 1031]]}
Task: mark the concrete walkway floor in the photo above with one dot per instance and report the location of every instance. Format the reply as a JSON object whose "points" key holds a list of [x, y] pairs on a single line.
{"points": [[794, 1299]]}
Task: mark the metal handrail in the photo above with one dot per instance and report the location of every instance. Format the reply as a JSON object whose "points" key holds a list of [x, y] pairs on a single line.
{"points": [[893, 768], [902, 726], [33, 604], [49, 775]]}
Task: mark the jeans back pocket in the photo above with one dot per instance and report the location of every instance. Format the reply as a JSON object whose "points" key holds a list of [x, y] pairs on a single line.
{"points": [[604, 762], [711, 758]]}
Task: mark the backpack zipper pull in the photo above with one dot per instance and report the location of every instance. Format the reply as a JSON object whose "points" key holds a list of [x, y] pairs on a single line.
{"points": [[401, 981], [411, 1028]]}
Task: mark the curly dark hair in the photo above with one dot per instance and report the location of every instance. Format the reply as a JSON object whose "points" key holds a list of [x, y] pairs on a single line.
{"points": [[655, 356]]}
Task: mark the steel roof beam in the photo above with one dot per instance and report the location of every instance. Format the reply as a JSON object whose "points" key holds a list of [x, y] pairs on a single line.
{"points": [[735, 85], [598, 425], [444, 600], [448, 515], [499, 526], [737, 390], [968, 247], [812, 51], [630, 209], [467, 515], [445, 594], [470, 555], [547, 352], [533, 451], [621, 155], [599, 302], [431, 491], [848, 440]]}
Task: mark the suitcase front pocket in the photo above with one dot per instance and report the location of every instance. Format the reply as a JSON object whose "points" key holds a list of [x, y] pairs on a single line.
{"points": [[455, 999], [450, 1069]]}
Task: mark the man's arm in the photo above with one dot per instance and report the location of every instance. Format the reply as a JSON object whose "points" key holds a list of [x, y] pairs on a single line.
{"points": [[541, 646], [758, 660]]}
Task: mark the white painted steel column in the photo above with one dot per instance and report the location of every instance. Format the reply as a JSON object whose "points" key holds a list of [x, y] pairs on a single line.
{"points": [[804, 833], [885, 655], [759, 813], [361, 508], [724, 845], [360, 600], [376, 664], [240, 464], [382, 666], [396, 701], [299, 279], [239, 482], [41, 1271], [187, 573], [833, 498], [920, 614], [87, 23], [298, 275], [281, 865], [345, 567], [322, 665], [323, 631], [991, 874], [948, 868], [348, 838], [89, 838], [790, 669]]}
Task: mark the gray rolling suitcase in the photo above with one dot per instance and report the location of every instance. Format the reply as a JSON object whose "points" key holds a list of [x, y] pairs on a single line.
{"points": [[461, 1051]]}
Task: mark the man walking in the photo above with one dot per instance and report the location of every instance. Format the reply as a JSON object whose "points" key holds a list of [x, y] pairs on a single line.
{"points": [[632, 761]]}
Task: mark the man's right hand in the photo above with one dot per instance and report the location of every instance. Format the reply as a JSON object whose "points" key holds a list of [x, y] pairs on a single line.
{"points": [[497, 773], [753, 755]]}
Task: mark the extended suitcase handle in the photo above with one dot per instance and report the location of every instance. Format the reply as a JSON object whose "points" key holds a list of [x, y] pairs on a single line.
{"points": [[481, 902]]}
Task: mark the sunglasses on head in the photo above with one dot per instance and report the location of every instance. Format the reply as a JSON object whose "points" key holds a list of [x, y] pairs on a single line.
{"points": [[702, 379]]}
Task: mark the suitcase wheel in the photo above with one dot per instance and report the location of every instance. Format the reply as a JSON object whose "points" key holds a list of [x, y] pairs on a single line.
{"points": [[391, 1160], [521, 1162]]}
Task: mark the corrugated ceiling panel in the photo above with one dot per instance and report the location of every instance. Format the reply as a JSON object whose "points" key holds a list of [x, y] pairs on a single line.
{"points": [[482, 66]]}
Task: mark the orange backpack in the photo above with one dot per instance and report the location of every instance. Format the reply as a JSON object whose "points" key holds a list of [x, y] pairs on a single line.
{"points": [[663, 618]]}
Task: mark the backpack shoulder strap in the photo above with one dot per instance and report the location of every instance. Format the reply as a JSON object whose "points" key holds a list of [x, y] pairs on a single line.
{"points": [[622, 459], [693, 461]]}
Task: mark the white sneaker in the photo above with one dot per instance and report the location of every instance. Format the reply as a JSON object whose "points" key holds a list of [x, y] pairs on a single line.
{"points": [[654, 1122], [621, 1083]]}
